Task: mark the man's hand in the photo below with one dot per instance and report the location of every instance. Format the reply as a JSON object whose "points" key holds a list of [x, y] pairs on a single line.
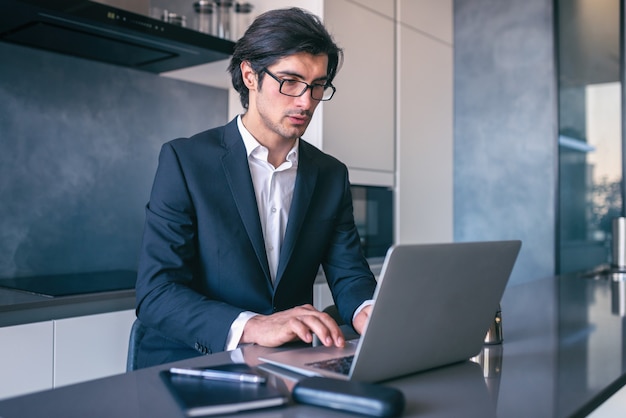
{"points": [[360, 320], [296, 323]]}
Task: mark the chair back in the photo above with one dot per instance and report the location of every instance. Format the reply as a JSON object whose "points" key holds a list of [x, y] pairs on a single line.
{"points": [[137, 332]]}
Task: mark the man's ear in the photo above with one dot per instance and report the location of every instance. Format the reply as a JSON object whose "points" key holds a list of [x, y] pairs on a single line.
{"points": [[248, 75]]}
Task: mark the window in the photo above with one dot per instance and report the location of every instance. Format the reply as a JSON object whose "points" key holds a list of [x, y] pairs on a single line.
{"points": [[590, 144]]}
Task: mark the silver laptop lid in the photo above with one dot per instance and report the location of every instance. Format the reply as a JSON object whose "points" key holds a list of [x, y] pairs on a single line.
{"points": [[433, 306]]}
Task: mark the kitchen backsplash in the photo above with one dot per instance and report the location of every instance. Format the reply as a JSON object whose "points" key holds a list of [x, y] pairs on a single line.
{"points": [[80, 143]]}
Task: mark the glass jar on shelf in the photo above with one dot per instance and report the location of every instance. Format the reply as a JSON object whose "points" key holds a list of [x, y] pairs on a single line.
{"points": [[174, 18], [243, 19], [223, 12], [203, 19]]}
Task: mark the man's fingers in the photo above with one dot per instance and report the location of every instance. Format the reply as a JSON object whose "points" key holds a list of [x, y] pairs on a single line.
{"points": [[300, 327], [324, 327], [300, 322]]}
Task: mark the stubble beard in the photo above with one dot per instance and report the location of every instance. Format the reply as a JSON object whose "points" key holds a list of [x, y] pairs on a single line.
{"points": [[284, 129]]}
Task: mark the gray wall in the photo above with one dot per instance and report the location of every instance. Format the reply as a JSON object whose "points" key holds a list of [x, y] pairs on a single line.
{"points": [[79, 144], [505, 149]]}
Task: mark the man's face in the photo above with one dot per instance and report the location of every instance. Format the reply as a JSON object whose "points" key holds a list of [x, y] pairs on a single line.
{"points": [[279, 117]]}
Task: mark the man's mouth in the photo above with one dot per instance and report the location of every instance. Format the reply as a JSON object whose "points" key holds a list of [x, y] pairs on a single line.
{"points": [[299, 119]]}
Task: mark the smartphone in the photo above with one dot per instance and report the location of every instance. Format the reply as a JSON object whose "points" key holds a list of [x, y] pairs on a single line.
{"points": [[346, 395], [232, 372]]}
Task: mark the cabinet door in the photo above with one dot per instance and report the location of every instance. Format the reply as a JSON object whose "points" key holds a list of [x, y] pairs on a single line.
{"points": [[425, 137], [359, 120], [90, 347], [25, 359], [432, 17], [383, 7]]}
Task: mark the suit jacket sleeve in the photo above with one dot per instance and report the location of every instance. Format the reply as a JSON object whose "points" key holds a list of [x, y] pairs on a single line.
{"points": [[168, 262], [347, 272]]}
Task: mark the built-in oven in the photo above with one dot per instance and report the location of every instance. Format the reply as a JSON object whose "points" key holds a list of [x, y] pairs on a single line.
{"points": [[373, 215]]}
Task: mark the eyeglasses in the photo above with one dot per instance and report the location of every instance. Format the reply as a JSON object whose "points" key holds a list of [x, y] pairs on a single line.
{"points": [[295, 88]]}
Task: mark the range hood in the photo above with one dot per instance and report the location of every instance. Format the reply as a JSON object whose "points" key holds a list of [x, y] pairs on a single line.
{"points": [[100, 32]]}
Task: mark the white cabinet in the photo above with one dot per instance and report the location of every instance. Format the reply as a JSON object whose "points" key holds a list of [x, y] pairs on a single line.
{"points": [[25, 358], [90, 347], [431, 17], [424, 198], [383, 7], [358, 123], [46, 355]]}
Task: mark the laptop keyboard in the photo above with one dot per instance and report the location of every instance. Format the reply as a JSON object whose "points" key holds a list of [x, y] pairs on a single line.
{"points": [[338, 365]]}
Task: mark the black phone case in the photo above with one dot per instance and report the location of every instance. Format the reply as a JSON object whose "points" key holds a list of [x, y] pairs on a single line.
{"points": [[363, 398]]}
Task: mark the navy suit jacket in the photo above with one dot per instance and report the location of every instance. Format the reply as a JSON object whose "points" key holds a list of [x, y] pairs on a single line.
{"points": [[203, 258]]}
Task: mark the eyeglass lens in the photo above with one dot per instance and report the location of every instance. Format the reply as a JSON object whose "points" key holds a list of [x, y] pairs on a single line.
{"points": [[298, 88]]}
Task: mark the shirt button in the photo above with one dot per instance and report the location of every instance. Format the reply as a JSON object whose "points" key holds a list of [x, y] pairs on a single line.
{"points": [[273, 210]]}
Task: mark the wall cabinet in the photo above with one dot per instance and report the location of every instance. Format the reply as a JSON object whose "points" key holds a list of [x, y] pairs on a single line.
{"points": [[424, 209], [50, 354], [383, 7], [430, 17], [358, 123]]}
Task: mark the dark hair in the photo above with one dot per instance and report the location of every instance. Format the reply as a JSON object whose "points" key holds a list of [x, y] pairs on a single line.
{"points": [[277, 34]]}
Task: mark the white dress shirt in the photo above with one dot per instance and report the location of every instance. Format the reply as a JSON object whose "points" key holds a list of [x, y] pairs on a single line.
{"points": [[273, 187]]}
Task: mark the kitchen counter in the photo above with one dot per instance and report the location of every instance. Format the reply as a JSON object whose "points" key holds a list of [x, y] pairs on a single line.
{"points": [[18, 307], [563, 354], [565, 349], [105, 292]]}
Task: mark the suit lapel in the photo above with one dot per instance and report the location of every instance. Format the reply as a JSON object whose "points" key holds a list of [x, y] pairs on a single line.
{"points": [[303, 192], [237, 172]]}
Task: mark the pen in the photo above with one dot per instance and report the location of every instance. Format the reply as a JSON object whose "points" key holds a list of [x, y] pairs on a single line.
{"points": [[225, 375]]}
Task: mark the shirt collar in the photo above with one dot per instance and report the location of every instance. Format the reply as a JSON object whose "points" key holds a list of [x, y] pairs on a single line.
{"points": [[252, 144]]}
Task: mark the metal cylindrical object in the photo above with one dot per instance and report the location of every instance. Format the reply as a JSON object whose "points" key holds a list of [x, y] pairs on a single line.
{"points": [[490, 360], [618, 297], [174, 18], [619, 243], [494, 334]]}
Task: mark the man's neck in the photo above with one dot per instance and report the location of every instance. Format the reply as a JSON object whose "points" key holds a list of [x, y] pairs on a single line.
{"points": [[278, 147]]}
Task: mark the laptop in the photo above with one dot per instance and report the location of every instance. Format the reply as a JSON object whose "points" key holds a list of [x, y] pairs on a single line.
{"points": [[433, 306]]}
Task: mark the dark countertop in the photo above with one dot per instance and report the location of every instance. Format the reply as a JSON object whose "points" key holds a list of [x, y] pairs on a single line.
{"points": [[564, 353], [21, 307], [77, 295]]}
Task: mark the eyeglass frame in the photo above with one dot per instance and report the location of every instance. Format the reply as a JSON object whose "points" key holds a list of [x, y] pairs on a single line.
{"points": [[281, 82]]}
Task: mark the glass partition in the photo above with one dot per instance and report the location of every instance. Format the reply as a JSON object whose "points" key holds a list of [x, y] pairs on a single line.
{"points": [[590, 137]]}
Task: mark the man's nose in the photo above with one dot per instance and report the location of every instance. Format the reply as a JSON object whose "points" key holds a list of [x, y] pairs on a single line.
{"points": [[306, 101]]}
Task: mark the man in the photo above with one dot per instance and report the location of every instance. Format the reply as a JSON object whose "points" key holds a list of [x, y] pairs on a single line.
{"points": [[241, 216]]}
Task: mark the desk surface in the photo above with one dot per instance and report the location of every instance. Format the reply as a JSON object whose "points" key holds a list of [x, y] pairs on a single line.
{"points": [[563, 354]]}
